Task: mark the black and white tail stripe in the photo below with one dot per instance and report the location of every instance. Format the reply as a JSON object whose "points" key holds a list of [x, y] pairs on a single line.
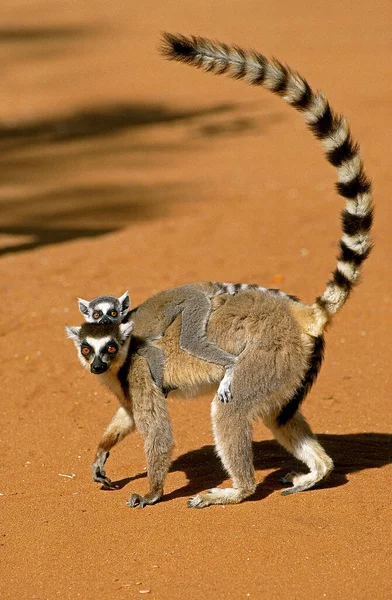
{"points": [[331, 129]]}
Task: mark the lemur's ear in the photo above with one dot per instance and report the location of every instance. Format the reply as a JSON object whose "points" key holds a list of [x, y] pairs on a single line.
{"points": [[126, 329], [83, 306], [72, 332], [124, 302]]}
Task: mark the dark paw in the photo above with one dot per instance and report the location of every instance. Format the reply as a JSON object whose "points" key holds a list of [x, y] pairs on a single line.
{"points": [[105, 481], [100, 477], [136, 501]]}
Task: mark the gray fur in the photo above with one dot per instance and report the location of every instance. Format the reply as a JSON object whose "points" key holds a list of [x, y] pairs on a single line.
{"points": [[267, 339], [193, 301], [272, 351], [105, 309]]}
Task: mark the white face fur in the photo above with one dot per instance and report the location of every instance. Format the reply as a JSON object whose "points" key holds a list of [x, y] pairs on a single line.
{"points": [[105, 309], [100, 346]]}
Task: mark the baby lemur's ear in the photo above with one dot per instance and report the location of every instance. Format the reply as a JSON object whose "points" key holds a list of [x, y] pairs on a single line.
{"points": [[72, 332], [124, 302], [83, 306], [126, 330]]}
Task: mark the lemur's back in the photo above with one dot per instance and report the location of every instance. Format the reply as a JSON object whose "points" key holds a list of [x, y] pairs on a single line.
{"points": [[265, 324]]}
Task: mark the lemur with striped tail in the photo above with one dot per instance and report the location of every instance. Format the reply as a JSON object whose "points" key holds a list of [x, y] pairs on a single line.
{"points": [[277, 342], [193, 301]]}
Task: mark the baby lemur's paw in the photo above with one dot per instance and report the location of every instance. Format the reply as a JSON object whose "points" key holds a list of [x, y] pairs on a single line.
{"points": [[224, 390]]}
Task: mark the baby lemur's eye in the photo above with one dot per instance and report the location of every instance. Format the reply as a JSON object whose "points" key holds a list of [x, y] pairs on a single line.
{"points": [[96, 315], [114, 313], [85, 350], [112, 349]]}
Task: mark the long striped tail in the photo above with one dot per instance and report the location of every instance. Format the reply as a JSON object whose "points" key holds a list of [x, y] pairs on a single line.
{"points": [[330, 128]]}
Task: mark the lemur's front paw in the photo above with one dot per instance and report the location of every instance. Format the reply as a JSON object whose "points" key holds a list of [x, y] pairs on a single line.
{"points": [[99, 476], [136, 500], [224, 390]]}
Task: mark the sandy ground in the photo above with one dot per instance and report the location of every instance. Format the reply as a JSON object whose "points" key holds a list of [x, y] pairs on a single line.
{"points": [[119, 170]]}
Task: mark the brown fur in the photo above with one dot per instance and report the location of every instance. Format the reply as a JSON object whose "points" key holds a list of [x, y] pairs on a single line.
{"points": [[273, 355], [193, 302], [274, 346]]}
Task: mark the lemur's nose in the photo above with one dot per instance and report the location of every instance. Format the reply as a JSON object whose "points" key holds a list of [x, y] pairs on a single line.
{"points": [[99, 368], [105, 321]]}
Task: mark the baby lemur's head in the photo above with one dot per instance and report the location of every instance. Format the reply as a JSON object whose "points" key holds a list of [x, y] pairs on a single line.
{"points": [[105, 309], [101, 346]]}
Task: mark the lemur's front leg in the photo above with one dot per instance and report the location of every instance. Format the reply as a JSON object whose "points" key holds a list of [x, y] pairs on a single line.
{"points": [[121, 424], [153, 421]]}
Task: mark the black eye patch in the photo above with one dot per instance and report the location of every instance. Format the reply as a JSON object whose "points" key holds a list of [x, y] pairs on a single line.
{"points": [[86, 350], [97, 314], [111, 348]]}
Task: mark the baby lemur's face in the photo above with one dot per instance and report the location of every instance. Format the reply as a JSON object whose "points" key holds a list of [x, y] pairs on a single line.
{"points": [[100, 346], [104, 309]]}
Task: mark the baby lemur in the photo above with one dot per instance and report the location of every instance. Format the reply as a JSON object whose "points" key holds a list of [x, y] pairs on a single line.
{"points": [[193, 301], [278, 342], [105, 309]]}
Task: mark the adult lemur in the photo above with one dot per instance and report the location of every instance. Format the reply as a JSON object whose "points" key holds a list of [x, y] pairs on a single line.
{"points": [[193, 301], [278, 342]]}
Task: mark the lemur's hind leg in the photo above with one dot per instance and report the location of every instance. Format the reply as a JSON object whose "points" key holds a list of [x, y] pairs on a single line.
{"points": [[233, 442], [121, 424], [193, 339], [297, 437]]}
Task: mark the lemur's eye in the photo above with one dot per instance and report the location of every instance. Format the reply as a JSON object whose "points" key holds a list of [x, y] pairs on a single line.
{"points": [[112, 349], [96, 315], [86, 351], [114, 313]]}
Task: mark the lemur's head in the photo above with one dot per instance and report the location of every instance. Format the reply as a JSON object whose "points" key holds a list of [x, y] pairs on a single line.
{"points": [[101, 346], [104, 309]]}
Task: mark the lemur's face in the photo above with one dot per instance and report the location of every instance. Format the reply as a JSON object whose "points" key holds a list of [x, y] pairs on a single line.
{"points": [[100, 346], [105, 309]]}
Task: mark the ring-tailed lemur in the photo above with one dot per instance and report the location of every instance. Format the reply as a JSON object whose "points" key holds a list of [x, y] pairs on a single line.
{"points": [[105, 309], [193, 301], [279, 342]]}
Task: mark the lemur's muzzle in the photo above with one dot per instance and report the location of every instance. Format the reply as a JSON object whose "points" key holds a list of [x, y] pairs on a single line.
{"points": [[98, 366], [105, 321]]}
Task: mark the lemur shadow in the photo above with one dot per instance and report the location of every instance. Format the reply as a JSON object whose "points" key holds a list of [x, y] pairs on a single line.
{"points": [[119, 484], [351, 453]]}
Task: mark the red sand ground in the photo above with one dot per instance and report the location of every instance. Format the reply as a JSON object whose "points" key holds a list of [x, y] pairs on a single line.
{"points": [[189, 177]]}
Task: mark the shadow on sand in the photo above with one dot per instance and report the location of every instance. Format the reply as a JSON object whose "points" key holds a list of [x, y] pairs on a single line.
{"points": [[350, 452], [70, 175], [50, 153]]}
